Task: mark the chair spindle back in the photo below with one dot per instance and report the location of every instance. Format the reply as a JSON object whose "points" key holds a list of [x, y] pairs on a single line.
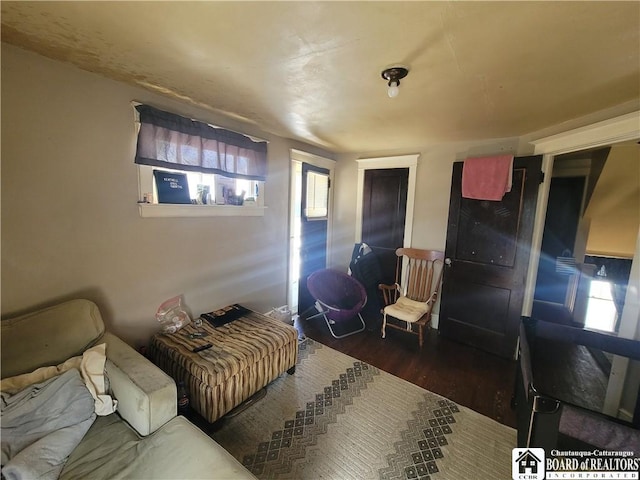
{"points": [[421, 272]]}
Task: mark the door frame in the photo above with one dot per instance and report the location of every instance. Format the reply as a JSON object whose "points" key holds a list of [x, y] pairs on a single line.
{"points": [[618, 129], [381, 163], [317, 161]]}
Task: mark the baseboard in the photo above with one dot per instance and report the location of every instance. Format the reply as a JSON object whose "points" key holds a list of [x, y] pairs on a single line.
{"points": [[624, 414]]}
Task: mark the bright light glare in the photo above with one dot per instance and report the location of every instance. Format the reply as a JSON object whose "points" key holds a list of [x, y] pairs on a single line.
{"points": [[601, 310]]}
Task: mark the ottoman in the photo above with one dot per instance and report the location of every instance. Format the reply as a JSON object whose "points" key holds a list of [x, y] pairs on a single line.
{"points": [[246, 355]]}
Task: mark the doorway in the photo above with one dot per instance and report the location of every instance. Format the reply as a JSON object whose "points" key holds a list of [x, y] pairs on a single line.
{"points": [[309, 223], [624, 128], [565, 206], [589, 237], [409, 162]]}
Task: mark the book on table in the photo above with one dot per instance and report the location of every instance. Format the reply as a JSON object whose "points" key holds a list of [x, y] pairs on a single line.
{"points": [[225, 315]]}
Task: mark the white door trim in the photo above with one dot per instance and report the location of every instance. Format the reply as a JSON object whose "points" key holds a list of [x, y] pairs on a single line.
{"points": [[317, 161], [617, 129], [401, 161]]}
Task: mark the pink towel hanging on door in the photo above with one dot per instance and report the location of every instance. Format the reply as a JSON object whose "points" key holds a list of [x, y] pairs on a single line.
{"points": [[487, 178]]}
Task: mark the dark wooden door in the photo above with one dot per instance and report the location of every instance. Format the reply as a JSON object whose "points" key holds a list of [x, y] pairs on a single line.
{"points": [[313, 229], [383, 215], [559, 237], [487, 251]]}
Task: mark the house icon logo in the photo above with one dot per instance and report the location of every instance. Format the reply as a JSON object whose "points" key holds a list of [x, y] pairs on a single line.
{"points": [[527, 464]]}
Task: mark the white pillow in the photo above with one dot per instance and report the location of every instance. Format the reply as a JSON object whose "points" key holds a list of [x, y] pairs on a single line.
{"points": [[407, 310], [92, 370]]}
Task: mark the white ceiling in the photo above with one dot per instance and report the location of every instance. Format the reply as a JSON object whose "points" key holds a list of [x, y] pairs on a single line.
{"points": [[311, 70]]}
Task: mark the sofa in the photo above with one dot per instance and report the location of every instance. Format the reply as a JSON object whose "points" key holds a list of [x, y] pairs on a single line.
{"points": [[144, 437]]}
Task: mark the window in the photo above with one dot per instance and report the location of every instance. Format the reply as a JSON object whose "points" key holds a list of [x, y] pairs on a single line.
{"points": [[601, 309], [317, 196], [204, 188], [220, 167]]}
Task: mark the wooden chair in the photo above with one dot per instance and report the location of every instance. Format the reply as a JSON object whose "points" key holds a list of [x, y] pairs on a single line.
{"points": [[409, 302]]}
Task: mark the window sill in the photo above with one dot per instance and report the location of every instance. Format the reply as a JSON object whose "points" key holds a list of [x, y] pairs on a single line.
{"points": [[150, 210]]}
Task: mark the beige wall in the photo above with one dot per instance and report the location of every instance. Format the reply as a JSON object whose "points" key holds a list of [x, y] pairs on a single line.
{"points": [[433, 188], [71, 227], [70, 223], [433, 185], [614, 209]]}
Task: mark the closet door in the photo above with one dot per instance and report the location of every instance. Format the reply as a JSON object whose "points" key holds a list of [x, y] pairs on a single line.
{"points": [[384, 208], [487, 256]]}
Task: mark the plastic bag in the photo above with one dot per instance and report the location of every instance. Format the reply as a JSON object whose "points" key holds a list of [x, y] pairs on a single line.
{"points": [[282, 313], [172, 315]]}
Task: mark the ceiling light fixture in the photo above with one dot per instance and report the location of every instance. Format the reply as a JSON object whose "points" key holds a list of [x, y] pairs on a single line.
{"points": [[393, 76]]}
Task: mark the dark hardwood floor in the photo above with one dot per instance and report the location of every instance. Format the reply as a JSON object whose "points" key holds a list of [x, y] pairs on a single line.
{"points": [[480, 381]]}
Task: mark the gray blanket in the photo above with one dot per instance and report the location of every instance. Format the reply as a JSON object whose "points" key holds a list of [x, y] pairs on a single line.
{"points": [[42, 424]]}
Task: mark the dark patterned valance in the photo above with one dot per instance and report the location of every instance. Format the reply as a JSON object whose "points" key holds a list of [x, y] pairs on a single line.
{"points": [[171, 141]]}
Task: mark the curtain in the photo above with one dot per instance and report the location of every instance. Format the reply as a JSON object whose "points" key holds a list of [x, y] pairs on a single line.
{"points": [[618, 293], [171, 141]]}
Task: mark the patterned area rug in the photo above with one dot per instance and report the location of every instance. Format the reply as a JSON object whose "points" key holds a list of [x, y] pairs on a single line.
{"points": [[339, 418]]}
